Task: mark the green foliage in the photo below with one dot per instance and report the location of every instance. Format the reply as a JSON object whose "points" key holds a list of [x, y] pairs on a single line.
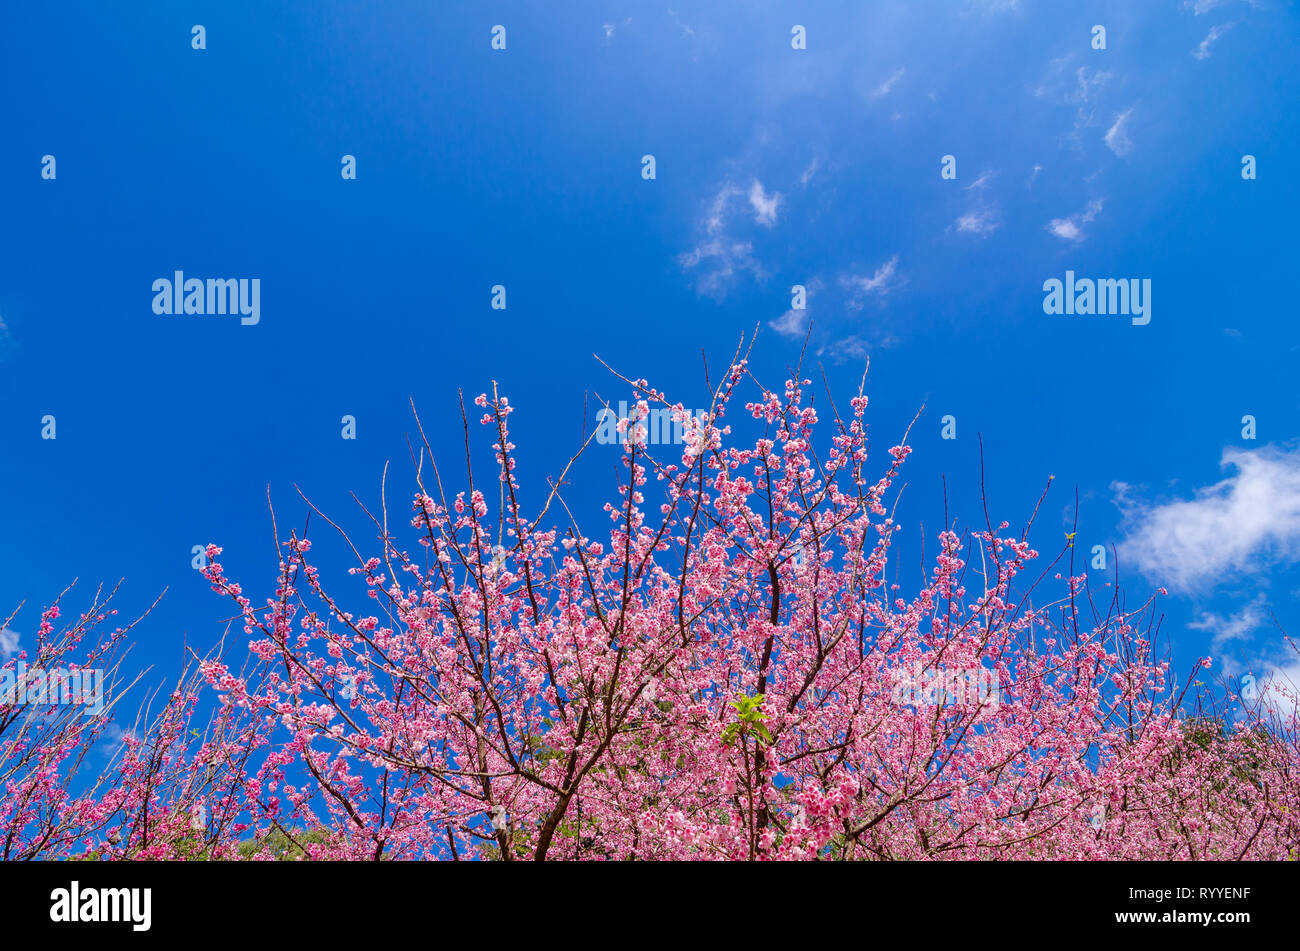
{"points": [[281, 847], [749, 721]]}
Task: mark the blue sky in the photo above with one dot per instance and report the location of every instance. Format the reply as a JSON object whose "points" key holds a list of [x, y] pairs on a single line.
{"points": [[774, 167]]}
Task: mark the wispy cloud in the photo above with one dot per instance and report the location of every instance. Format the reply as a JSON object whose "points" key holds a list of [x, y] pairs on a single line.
{"points": [[1239, 625], [982, 180], [853, 348], [850, 348], [1205, 6], [1071, 229], [886, 87], [1203, 51], [686, 28], [719, 262], [1266, 677], [982, 222], [113, 739], [719, 257], [879, 283], [1117, 137], [764, 205], [1279, 690], [1079, 86], [1062, 86], [793, 323], [989, 7], [1244, 524], [8, 643], [716, 217]]}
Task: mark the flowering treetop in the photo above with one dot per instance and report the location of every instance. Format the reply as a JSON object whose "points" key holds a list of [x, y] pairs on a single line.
{"points": [[725, 671]]}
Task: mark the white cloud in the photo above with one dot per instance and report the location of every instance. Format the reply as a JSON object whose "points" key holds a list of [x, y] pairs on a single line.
{"points": [[850, 348], [793, 323], [719, 257], [8, 643], [988, 7], [1279, 691], [1241, 525], [1238, 626], [1069, 229], [114, 738], [1264, 684], [1117, 139], [1078, 86], [982, 222], [717, 213], [1065, 228], [1087, 84], [1061, 86], [983, 179], [808, 172], [880, 283], [687, 30], [723, 260], [1205, 6], [1203, 51], [854, 348], [887, 86], [764, 205]]}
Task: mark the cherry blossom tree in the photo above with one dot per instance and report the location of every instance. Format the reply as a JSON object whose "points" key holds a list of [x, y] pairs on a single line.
{"points": [[728, 669]]}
